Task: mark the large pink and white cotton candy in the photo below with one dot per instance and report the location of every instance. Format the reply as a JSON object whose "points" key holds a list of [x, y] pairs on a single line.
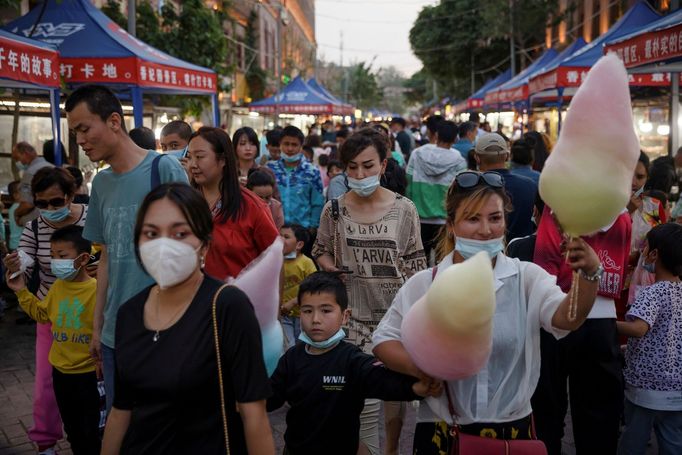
{"points": [[448, 332], [260, 282], [587, 177]]}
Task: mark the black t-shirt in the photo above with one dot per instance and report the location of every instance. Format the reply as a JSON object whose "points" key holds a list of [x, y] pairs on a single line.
{"points": [[327, 392], [171, 385]]}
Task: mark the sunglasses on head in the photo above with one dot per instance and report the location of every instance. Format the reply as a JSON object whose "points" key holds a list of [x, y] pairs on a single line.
{"points": [[470, 179], [54, 202]]}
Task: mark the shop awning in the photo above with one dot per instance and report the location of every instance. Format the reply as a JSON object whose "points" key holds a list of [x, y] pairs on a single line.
{"points": [[570, 50], [571, 71], [94, 49], [475, 101], [660, 42], [345, 107], [27, 63], [297, 98], [516, 88]]}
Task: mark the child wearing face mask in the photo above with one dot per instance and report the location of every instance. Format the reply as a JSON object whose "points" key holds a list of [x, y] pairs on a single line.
{"points": [[69, 306], [326, 380], [297, 267], [653, 372]]}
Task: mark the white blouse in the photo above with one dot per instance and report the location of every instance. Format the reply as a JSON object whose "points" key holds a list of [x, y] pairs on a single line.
{"points": [[527, 297]]}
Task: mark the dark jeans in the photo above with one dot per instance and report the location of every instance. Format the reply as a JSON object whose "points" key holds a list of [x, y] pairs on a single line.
{"points": [[79, 405], [429, 234], [590, 361]]}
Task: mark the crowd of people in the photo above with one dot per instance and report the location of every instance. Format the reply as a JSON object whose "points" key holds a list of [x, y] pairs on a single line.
{"points": [[127, 286]]}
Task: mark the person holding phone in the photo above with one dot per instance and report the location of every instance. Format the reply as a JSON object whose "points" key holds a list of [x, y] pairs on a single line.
{"points": [[53, 191], [374, 233]]}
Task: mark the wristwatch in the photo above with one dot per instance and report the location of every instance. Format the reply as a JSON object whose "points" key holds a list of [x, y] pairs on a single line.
{"points": [[596, 276]]}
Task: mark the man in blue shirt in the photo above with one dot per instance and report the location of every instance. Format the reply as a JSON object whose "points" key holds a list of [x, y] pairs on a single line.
{"points": [[95, 116], [299, 181], [467, 136], [491, 154]]}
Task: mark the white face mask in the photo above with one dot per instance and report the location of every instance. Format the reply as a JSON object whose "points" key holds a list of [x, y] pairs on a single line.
{"points": [[168, 261]]}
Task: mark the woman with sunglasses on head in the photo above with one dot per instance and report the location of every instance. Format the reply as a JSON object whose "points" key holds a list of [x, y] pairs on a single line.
{"points": [[53, 191], [371, 235], [496, 401]]}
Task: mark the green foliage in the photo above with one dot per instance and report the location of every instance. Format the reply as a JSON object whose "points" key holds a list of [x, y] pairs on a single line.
{"points": [[112, 9], [256, 77], [448, 36], [419, 88], [11, 4], [194, 34], [362, 86]]}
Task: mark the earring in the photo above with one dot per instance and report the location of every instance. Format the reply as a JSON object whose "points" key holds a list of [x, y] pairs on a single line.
{"points": [[202, 262]]}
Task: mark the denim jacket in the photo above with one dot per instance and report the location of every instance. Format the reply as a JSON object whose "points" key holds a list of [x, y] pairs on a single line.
{"points": [[301, 192]]}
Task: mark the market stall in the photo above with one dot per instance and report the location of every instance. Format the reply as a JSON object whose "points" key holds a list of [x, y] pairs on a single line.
{"points": [[94, 49]]}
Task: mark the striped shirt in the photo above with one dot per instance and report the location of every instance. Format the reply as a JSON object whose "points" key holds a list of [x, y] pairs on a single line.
{"points": [[39, 249]]}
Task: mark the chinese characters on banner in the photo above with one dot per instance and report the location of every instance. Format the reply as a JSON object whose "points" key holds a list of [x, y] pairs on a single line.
{"points": [[131, 70], [650, 47], [31, 64]]}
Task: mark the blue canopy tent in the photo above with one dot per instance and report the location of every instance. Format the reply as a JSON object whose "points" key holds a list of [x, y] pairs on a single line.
{"points": [[570, 71], [655, 48], [503, 95], [298, 98], [475, 101], [312, 82], [94, 49], [30, 64]]}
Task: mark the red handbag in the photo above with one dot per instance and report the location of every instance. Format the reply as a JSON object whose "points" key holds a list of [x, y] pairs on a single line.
{"points": [[466, 444]]}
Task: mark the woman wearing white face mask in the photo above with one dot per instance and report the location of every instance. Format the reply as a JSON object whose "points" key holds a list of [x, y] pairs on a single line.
{"points": [[496, 401], [53, 191], [168, 391], [375, 239]]}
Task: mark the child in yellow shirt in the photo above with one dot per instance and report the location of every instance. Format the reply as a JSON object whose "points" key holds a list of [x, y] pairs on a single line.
{"points": [[297, 266], [69, 305]]}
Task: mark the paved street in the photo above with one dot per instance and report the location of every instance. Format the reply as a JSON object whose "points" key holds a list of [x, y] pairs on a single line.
{"points": [[16, 390]]}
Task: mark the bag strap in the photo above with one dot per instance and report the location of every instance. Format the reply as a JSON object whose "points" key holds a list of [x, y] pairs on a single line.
{"points": [[335, 223], [220, 366], [156, 175]]}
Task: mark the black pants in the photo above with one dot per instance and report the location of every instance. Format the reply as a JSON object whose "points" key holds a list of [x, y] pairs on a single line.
{"points": [[79, 405], [429, 234], [590, 360]]}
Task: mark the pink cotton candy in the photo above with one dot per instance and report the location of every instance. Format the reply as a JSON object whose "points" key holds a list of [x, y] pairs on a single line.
{"points": [[587, 177], [448, 332]]}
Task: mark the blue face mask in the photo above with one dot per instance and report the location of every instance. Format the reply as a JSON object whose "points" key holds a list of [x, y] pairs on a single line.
{"points": [[364, 187], [291, 255], [64, 269], [292, 158], [179, 154], [56, 215], [338, 336], [469, 247], [21, 166], [649, 267]]}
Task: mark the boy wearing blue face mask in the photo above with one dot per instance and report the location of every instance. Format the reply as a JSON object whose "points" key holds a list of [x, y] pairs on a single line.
{"points": [[297, 267], [69, 305], [326, 380]]}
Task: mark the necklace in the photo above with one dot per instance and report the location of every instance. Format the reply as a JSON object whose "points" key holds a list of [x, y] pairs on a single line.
{"points": [[172, 320]]}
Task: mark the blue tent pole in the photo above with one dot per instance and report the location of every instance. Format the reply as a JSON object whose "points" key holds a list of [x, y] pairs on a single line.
{"points": [[56, 117], [215, 107], [560, 90], [138, 105]]}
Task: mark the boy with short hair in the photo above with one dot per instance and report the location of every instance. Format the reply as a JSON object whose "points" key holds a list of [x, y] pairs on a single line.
{"points": [[69, 305], [263, 185], [326, 380], [653, 372], [297, 267], [298, 180]]}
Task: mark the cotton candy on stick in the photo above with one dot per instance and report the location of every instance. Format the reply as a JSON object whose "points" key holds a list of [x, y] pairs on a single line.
{"points": [[260, 282], [587, 177], [448, 332]]}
